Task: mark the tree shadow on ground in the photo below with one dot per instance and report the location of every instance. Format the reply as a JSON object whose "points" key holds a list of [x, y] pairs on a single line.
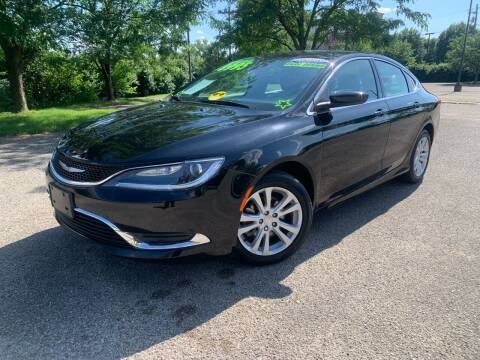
{"points": [[27, 151], [63, 296]]}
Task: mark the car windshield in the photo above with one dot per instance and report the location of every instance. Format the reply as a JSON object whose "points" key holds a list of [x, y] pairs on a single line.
{"points": [[266, 84]]}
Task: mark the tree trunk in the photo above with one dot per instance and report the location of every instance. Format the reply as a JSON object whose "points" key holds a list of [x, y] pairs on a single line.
{"points": [[14, 63], [107, 78]]}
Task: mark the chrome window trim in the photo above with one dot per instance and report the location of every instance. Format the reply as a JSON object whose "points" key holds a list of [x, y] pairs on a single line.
{"points": [[197, 239], [415, 81], [63, 180]]}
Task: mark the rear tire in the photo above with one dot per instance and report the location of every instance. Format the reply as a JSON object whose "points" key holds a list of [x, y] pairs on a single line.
{"points": [[275, 220], [419, 158]]}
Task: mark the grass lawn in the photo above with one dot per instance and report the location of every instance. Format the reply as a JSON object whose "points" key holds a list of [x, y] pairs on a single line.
{"points": [[62, 118]]}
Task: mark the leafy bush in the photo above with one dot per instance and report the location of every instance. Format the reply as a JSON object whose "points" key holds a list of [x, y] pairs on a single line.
{"points": [[437, 73], [54, 78], [5, 101], [124, 78], [162, 74]]}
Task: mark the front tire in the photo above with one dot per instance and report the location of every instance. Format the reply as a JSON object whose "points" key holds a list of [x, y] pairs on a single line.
{"points": [[419, 158], [275, 220]]}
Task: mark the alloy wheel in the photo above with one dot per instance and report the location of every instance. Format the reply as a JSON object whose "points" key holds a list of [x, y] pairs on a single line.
{"points": [[420, 160], [270, 221]]}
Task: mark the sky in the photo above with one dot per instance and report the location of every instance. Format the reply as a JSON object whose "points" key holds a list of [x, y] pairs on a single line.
{"points": [[443, 13]]}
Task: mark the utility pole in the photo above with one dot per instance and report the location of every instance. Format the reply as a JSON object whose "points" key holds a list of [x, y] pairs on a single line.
{"points": [[476, 17], [228, 12], [190, 75], [428, 44], [229, 19], [458, 86]]}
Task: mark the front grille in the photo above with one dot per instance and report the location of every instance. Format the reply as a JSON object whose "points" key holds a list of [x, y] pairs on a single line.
{"points": [[96, 230], [91, 173], [91, 228]]}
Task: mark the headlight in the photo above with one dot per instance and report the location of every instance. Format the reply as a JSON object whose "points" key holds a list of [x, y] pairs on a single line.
{"points": [[176, 176]]}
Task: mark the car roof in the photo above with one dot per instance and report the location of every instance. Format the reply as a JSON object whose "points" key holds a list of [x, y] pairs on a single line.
{"points": [[330, 55]]}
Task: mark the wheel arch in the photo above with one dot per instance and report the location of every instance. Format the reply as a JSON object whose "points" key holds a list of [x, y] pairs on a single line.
{"points": [[297, 170], [429, 127]]}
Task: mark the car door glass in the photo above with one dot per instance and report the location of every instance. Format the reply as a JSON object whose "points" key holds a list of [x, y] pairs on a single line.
{"points": [[356, 75], [412, 84], [392, 78]]}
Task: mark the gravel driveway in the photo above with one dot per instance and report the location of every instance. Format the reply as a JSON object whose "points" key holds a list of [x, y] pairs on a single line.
{"points": [[391, 274]]}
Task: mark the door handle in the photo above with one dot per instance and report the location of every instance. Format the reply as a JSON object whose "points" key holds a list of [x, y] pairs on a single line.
{"points": [[379, 112]]}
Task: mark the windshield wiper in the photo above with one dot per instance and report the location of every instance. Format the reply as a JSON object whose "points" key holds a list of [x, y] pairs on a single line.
{"points": [[226, 102], [175, 97]]}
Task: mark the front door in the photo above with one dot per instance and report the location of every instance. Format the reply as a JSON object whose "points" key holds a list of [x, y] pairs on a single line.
{"points": [[355, 139]]}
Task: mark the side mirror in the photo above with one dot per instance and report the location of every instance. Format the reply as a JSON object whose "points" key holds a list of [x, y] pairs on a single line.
{"points": [[322, 106], [340, 98], [344, 98]]}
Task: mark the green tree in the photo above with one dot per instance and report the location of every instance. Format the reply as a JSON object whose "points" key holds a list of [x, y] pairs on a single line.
{"points": [[207, 56], [25, 27], [472, 54], [352, 30], [400, 50], [416, 41], [224, 25], [111, 30], [302, 24], [444, 39]]}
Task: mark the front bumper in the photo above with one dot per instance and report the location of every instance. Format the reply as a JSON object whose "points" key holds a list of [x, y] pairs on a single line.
{"points": [[158, 224]]}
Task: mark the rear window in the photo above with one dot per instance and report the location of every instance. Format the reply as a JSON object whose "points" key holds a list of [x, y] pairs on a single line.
{"points": [[412, 84], [392, 78]]}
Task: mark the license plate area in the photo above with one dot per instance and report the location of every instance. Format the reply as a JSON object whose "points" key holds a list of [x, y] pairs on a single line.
{"points": [[62, 200]]}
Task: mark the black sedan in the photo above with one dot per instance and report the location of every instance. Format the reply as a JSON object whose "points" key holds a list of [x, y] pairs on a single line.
{"points": [[240, 159]]}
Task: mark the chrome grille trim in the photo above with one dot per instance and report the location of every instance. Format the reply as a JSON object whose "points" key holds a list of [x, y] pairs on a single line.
{"points": [[60, 178], [72, 169], [197, 239]]}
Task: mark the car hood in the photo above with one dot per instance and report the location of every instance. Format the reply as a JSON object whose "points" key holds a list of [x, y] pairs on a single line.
{"points": [[129, 134]]}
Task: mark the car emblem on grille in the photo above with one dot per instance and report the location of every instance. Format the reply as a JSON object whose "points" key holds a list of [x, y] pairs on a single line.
{"points": [[70, 169]]}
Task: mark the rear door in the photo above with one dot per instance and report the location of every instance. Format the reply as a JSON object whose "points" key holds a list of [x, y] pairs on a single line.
{"points": [[405, 111], [354, 140]]}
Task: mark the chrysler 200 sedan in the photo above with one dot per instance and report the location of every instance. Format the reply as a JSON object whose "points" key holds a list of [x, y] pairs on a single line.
{"points": [[240, 159]]}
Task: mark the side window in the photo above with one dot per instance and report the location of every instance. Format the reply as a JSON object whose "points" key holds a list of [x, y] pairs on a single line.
{"points": [[356, 75], [412, 84], [392, 78]]}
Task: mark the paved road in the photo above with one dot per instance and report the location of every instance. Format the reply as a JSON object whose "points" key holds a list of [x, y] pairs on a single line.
{"points": [[470, 94], [391, 274]]}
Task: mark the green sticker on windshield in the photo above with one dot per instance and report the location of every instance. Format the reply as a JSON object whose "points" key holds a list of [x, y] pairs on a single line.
{"points": [[236, 65], [305, 65], [283, 104]]}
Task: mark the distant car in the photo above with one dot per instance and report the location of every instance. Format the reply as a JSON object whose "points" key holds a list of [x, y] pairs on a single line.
{"points": [[239, 159]]}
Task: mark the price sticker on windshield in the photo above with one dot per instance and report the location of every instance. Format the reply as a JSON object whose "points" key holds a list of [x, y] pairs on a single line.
{"points": [[217, 95], [236, 65], [307, 63]]}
